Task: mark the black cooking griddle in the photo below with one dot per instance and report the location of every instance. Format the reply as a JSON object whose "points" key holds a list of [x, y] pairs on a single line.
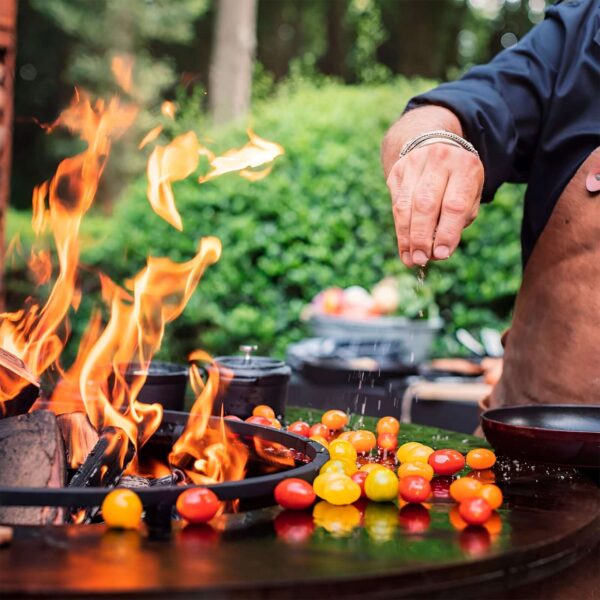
{"points": [[565, 434]]}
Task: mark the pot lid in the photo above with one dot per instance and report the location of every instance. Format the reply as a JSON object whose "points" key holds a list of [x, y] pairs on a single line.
{"points": [[252, 368]]}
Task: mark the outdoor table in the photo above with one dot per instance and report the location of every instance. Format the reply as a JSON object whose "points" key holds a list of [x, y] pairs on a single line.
{"points": [[550, 521]]}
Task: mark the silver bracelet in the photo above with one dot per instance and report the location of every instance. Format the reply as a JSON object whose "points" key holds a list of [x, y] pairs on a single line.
{"points": [[442, 135]]}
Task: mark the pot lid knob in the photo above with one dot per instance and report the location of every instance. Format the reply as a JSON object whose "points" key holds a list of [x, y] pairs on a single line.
{"points": [[248, 349]]}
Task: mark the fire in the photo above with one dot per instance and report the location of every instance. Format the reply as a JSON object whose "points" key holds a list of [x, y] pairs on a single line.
{"points": [[205, 453]]}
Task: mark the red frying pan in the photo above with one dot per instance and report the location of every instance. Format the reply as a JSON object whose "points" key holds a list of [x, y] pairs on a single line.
{"points": [[564, 434]]}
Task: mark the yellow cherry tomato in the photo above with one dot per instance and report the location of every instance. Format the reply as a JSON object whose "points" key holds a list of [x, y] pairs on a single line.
{"points": [[122, 509], [335, 419], [381, 485], [364, 441], [368, 467], [337, 520], [341, 490], [337, 465], [323, 479], [388, 425], [343, 450], [402, 452], [420, 453], [381, 521], [345, 435], [320, 439], [480, 459], [416, 468]]}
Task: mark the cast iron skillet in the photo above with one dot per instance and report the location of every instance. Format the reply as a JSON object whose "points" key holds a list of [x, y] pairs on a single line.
{"points": [[564, 434]]}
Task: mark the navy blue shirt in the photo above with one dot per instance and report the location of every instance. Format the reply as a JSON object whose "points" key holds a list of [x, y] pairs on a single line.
{"points": [[533, 112]]}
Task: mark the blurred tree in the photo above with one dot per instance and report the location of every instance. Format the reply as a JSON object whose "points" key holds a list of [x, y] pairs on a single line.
{"points": [[232, 59]]}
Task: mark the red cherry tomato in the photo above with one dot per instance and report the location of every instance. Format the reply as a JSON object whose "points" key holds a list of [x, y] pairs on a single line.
{"points": [[198, 505], [359, 477], [415, 518], [294, 494], [232, 418], [300, 428], [294, 527], [387, 441], [414, 488], [447, 462], [259, 421], [475, 511], [319, 429], [474, 541]]}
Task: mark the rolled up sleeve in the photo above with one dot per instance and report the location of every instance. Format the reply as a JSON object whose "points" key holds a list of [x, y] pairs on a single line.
{"points": [[502, 105]]}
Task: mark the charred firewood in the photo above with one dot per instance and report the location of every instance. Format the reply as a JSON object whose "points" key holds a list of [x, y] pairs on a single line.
{"points": [[79, 437], [134, 482], [103, 467], [31, 455], [175, 478], [14, 375]]}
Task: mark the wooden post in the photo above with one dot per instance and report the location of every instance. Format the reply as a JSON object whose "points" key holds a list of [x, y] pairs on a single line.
{"points": [[8, 39], [232, 60]]}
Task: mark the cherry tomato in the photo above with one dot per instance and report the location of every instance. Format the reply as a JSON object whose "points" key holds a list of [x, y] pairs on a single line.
{"points": [[465, 487], [319, 429], [481, 458], [414, 453], [414, 488], [388, 425], [293, 526], [381, 485], [447, 462], [338, 465], [364, 441], [232, 418], [275, 423], [456, 520], [343, 450], [262, 410], [368, 467], [381, 521], [345, 435], [492, 495], [440, 487], [494, 524], [321, 480], [198, 505], [337, 520], [320, 439], [387, 441], [259, 421], [294, 494], [359, 477], [485, 476], [416, 468], [415, 518], [300, 428], [340, 490], [334, 419], [122, 509], [475, 511], [474, 541]]}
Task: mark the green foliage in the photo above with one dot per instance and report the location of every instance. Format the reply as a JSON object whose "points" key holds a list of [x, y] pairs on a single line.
{"points": [[321, 218]]}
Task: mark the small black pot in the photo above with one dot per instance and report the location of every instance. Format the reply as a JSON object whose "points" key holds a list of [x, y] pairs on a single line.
{"points": [[165, 384], [247, 381]]}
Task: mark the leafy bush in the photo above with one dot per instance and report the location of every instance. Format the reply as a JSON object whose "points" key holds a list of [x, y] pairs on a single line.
{"points": [[321, 218]]}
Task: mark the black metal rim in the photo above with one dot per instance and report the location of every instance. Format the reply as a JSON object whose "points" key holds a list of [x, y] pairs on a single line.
{"points": [[231, 490]]}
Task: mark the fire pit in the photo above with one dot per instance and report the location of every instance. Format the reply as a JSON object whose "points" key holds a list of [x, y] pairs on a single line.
{"points": [[165, 496]]}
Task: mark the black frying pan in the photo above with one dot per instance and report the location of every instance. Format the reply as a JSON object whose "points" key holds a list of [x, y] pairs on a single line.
{"points": [[565, 434]]}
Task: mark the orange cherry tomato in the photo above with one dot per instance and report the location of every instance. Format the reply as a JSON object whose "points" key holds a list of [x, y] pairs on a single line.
{"points": [[335, 419], [345, 435], [275, 423], [485, 476], [414, 489], [122, 509], [465, 487], [475, 511], [364, 441], [416, 468], [494, 524], [456, 520], [299, 428], [388, 425], [387, 441], [320, 439], [368, 467], [319, 429], [198, 505], [481, 458], [262, 410], [491, 494]]}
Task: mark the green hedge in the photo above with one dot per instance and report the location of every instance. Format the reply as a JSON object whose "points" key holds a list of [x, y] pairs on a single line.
{"points": [[322, 218]]}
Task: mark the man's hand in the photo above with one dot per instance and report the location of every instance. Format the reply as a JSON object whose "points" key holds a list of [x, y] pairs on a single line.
{"points": [[435, 189]]}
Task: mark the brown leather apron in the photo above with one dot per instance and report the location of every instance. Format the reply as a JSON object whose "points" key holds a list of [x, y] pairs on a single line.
{"points": [[552, 352]]}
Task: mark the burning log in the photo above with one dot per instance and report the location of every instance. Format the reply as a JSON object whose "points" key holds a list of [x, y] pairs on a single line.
{"points": [[31, 455], [78, 436]]}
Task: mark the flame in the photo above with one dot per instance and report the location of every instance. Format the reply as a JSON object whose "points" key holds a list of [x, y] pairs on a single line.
{"points": [[168, 109], [40, 265], [255, 153], [122, 68], [34, 334], [207, 454], [150, 136]]}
